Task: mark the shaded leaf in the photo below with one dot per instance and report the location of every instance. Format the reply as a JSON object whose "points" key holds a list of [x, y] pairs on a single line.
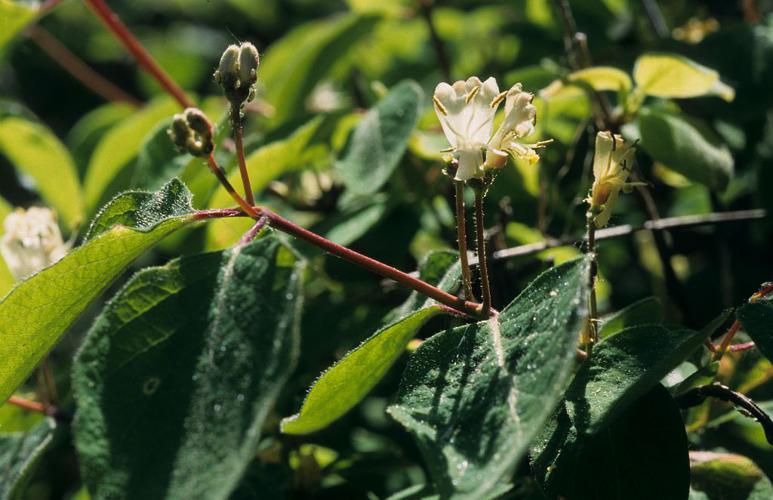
{"points": [[641, 455], [348, 381], [378, 142], [757, 321], [34, 150], [685, 149], [646, 311], [621, 369], [673, 75], [475, 396], [40, 309], [176, 377], [20, 453]]}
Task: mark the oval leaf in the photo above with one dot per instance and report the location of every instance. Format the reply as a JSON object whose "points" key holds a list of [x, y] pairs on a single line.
{"points": [[646, 311], [14, 16], [672, 75], [475, 396], [199, 350], [602, 78], [378, 142], [40, 309], [684, 148]]}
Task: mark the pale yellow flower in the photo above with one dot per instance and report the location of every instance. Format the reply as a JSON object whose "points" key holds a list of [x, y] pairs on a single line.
{"points": [[612, 164]]}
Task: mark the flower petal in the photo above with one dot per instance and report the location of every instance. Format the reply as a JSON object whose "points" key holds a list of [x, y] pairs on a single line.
{"points": [[470, 163]]}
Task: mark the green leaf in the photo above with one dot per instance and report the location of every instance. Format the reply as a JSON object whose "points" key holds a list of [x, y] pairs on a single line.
{"points": [[602, 78], [176, 378], [305, 56], [757, 321], [85, 135], [114, 154], [158, 159], [643, 312], [15, 419], [727, 475], [475, 396], [684, 148], [34, 150], [672, 75], [20, 454], [378, 142], [348, 381], [6, 278], [621, 369], [641, 455], [14, 17], [40, 309]]}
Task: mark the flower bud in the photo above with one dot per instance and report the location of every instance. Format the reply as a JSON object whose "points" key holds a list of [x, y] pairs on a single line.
{"points": [[191, 132], [237, 72]]}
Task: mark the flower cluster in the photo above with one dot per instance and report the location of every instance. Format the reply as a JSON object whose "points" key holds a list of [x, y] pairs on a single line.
{"points": [[32, 241], [466, 112]]}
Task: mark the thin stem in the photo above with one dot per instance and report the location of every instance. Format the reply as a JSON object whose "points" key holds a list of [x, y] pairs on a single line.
{"points": [[655, 18], [459, 305], [26, 404], [461, 237], [140, 54], [254, 230], [724, 346], [593, 316], [215, 168], [480, 239], [238, 127], [77, 68], [437, 43]]}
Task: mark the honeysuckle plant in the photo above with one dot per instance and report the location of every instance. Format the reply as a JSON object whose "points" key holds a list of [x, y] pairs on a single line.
{"points": [[242, 360]]}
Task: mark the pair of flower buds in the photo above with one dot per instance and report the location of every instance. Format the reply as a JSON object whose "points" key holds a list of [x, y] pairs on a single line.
{"points": [[237, 73], [466, 111]]}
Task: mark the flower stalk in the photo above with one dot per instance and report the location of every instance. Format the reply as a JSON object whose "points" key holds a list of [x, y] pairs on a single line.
{"points": [[461, 236], [593, 315], [480, 238]]}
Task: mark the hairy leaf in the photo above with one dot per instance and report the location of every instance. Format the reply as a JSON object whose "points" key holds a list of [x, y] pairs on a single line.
{"points": [[475, 396], [348, 381], [34, 150], [378, 142], [20, 453], [621, 369], [40, 309], [176, 377]]}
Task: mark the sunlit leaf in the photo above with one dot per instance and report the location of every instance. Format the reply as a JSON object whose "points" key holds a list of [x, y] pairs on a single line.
{"points": [[85, 135], [673, 75], [14, 16], [34, 150], [40, 309]]}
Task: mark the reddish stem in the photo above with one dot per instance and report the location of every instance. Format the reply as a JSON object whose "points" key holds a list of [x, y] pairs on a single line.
{"points": [[78, 69], [140, 54], [725, 346], [26, 404], [243, 164], [745, 346], [254, 230], [215, 168]]}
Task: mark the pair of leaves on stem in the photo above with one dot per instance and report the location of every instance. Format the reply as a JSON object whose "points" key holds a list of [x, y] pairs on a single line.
{"points": [[474, 396]]}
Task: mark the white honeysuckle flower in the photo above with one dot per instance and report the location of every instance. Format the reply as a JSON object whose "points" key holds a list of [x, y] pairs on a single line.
{"points": [[32, 241], [520, 120], [612, 162], [466, 112]]}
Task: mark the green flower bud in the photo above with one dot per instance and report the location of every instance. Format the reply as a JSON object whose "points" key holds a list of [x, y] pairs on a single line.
{"points": [[192, 132], [237, 72]]}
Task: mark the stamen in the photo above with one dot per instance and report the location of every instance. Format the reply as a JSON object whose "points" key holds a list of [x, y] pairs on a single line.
{"points": [[499, 98], [450, 149], [471, 95], [439, 105]]}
